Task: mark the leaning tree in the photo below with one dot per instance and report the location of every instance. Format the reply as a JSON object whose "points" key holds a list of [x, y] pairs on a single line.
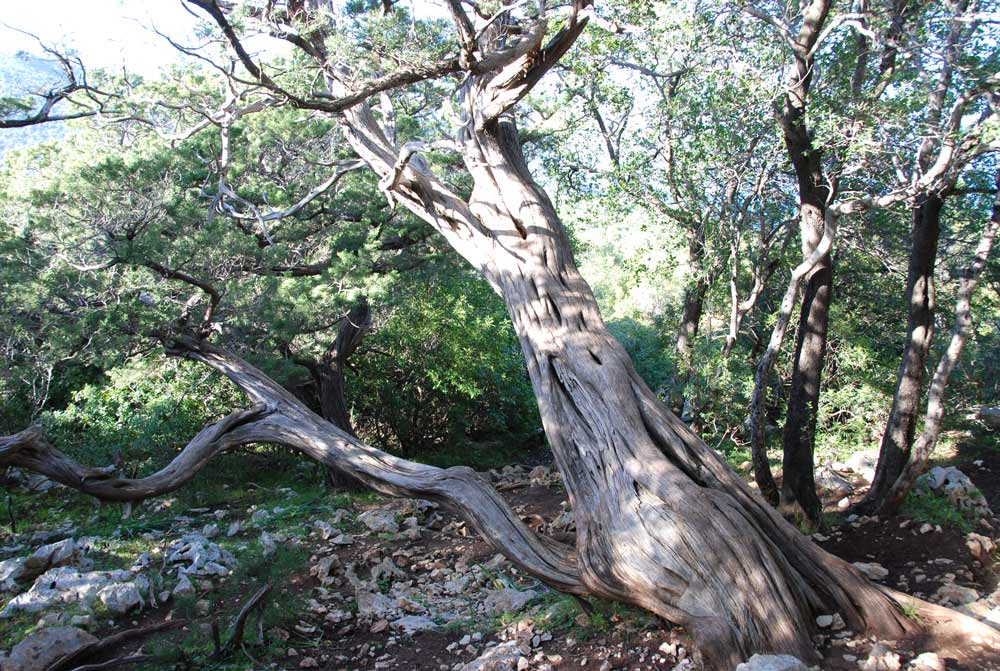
{"points": [[662, 521]]}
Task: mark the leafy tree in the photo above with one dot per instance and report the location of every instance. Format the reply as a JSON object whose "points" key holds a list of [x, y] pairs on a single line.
{"points": [[662, 521]]}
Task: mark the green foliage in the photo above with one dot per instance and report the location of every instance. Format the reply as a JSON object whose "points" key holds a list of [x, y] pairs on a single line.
{"points": [[555, 612], [441, 369], [144, 410], [650, 349], [934, 508]]}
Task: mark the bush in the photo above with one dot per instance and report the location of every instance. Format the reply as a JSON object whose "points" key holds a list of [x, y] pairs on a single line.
{"points": [[147, 410], [442, 368]]}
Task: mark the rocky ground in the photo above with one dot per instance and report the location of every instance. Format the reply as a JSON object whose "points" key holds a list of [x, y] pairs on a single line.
{"points": [[358, 582]]}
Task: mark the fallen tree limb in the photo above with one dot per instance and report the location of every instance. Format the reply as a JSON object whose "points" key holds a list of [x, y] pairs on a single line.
{"points": [[72, 662], [256, 601], [31, 449]]}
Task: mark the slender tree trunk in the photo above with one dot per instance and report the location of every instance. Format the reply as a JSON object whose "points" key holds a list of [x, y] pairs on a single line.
{"points": [[331, 386], [798, 489], [693, 306], [896, 450], [738, 310], [329, 380], [332, 394], [329, 373], [798, 486], [920, 453], [758, 398], [897, 438]]}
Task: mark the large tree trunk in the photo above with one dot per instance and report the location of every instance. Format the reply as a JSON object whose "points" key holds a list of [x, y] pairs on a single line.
{"points": [[724, 563], [897, 438], [661, 520], [652, 501]]}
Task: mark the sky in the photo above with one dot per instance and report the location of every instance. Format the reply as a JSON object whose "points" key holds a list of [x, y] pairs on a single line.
{"points": [[108, 33]]}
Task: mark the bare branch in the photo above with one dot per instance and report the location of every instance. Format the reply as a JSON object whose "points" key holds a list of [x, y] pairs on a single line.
{"points": [[170, 273], [782, 28], [31, 449], [75, 82]]}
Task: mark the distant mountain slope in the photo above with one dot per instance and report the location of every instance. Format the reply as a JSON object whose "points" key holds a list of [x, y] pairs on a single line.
{"points": [[22, 73]]}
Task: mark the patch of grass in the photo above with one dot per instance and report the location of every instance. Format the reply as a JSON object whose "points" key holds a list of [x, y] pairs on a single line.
{"points": [[17, 627], [934, 508], [557, 612], [910, 611]]}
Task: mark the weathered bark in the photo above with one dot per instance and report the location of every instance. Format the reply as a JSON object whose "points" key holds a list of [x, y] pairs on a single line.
{"points": [[897, 438], [798, 489], [652, 501], [280, 418], [920, 453], [748, 540]]}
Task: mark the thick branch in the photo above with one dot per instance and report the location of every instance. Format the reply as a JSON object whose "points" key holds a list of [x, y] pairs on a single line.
{"points": [[32, 450], [279, 418], [172, 274]]}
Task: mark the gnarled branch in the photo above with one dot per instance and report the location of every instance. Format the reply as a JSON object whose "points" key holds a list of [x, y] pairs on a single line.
{"points": [[279, 418]]}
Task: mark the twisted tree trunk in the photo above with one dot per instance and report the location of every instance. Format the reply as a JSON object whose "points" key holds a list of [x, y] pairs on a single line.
{"points": [[653, 502], [278, 417], [649, 513]]}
